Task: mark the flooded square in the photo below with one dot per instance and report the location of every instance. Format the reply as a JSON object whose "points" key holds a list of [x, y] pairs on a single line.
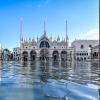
{"points": [[49, 81]]}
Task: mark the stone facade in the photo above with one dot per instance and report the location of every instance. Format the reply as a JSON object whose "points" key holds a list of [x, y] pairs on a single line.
{"points": [[95, 52], [83, 48], [1, 53], [44, 49], [16, 53]]}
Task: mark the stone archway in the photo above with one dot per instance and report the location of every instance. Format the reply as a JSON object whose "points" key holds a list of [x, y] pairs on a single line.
{"points": [[63, 55], [25, 56], [33, 55], [55, 55], [44, 54]]}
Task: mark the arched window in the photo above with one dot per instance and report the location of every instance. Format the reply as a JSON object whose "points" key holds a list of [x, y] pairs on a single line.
{"points": [[44, 44], [81, 46], [90, 46]]}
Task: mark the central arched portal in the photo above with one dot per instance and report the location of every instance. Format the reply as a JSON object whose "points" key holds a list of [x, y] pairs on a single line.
{"points": [[44, 54], [55, 55], [25, 56], [33, 55]]}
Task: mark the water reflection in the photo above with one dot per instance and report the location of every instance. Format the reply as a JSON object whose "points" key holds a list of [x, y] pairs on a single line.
{"points": [[80, 72], [38, 75]]}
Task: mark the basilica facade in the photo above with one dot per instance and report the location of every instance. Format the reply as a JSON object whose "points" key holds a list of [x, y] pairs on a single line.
{"points": [[45, 49]]}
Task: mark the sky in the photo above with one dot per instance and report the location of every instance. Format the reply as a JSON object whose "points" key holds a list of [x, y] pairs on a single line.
{"points": [[82, 19]]}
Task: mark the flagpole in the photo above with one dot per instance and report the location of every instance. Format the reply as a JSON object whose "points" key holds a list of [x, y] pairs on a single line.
{"points": [[44, 41], [66, 42], [21, 24]]}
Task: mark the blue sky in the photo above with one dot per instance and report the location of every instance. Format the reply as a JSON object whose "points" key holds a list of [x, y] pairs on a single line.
{"points": [[81, 15]]}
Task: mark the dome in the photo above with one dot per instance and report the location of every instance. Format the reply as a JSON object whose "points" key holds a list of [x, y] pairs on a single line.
{"points": [[44, 36]]}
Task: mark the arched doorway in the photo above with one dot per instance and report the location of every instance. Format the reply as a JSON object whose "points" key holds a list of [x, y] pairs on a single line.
{"points": [[55, 55], [63, 55], [95, 55], [81, 58], [33, 55], [85, 58], [44, 54], [25, 56], [78, 58]]}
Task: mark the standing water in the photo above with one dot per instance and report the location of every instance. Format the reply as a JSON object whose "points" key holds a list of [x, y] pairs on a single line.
{"points": [[49, 81]]}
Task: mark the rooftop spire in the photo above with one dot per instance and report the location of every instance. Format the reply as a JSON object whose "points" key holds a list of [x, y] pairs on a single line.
{"points": [[66, 31], [21, 28], [44, 29], [37, 38], [58, 38]]}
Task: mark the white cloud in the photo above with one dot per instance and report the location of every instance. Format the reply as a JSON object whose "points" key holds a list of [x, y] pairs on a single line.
{"points": [[92, 34]]}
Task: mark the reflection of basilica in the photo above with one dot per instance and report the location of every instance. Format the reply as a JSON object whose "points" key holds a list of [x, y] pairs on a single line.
{"points": [[44, 48]]}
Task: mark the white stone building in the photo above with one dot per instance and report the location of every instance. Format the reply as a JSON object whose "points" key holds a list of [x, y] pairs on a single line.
{"points": [[83, 48], [16, 53]]}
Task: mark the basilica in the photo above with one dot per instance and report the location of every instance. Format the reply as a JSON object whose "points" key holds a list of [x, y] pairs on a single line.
{"points": [[44, 48]]}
